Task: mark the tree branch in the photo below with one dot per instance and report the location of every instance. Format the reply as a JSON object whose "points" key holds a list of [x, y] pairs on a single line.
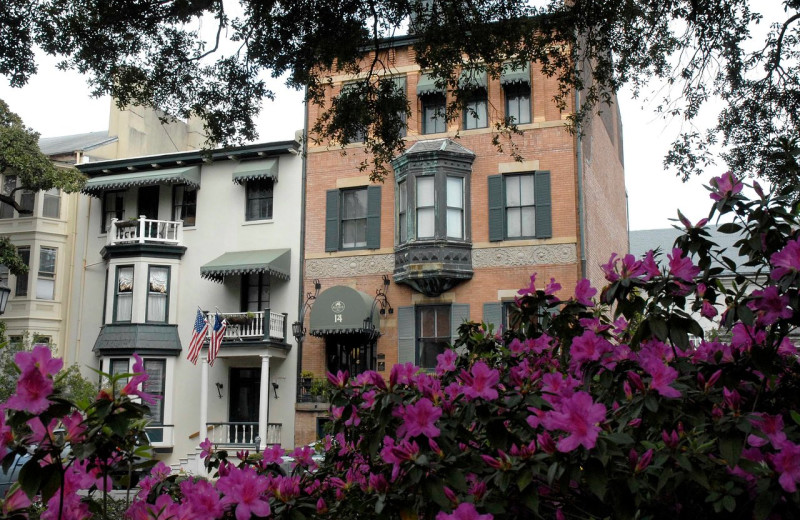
{"points": [[14, 204]]}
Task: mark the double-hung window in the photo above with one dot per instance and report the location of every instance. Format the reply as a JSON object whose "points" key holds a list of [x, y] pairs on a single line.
{"points": [[518, 103], [402, 211], [157, 294], [46, 279], [426, 207], [433, 114], [26, 200], [433, 333], [51, 203], [259, 199], [123, 294], [353, 218], [9, 184], [473, 83], [4, 272], [184, 204], [21, 287], [113, 207], [519, 206], [255, 292], [455, 207], [155, 385]]}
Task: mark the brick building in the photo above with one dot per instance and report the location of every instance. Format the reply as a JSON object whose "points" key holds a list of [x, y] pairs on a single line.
{"points": [[457, 228]]}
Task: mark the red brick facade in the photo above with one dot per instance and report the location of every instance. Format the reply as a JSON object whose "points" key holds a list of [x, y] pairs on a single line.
{"points": [[506, 265]]}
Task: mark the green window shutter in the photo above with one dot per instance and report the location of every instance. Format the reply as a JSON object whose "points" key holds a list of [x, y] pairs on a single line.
{"points": [[373, 217], [332, 220], [459, 313], [541, 192], [495, 208], [493, 314], [406, 335]]}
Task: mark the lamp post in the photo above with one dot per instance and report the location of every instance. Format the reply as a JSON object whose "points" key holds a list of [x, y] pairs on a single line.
{"points": [[5, 292], [299, 330]]}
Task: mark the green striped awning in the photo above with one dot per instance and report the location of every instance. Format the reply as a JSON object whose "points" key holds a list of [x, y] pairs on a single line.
{"points": [[258, 169], [189, 175], [472, 79], [427, 86], [276, 262], [511, 75]]}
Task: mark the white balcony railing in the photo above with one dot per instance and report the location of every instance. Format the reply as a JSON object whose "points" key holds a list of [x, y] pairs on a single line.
{"points": [[145, 230], [242, 433], [251, 325]]}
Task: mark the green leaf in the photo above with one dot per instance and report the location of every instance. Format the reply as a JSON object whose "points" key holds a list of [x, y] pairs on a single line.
{"points": [[659, 328], [795, 416], [651, 403], [551, 473], [596, 478], [524, 479], [30, 478], [435, 491], [729, 503], [620, 438], [730, 448], [729, 228]]}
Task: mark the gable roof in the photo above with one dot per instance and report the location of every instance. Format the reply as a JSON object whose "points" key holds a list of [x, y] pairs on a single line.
{"points": [[74, 143]]}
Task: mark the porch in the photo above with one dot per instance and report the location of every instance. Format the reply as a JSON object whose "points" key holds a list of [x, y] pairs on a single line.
{"points": [[242, 434]]}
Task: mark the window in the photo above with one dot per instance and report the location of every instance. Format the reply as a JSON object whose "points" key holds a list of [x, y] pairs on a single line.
{"points": [[519, 206], [353, 218], [455, 207], [184, 204], [259, 199], [113, 207], [157, 294], [433, 113], [156, 370], [4, 276], [21, 288], [46, 280], [26, 202], [518, 102], [119, 366], [123, 294], [402, 206], [426, 214], [400, 84], [433, 333], [475, 110], [38, 340], [51, 205], [16, 342], [255, 292], [9, 184]]}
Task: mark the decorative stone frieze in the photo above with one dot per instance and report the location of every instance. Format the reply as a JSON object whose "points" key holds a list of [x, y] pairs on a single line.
{"points": [[524, 255], [345, 266]]}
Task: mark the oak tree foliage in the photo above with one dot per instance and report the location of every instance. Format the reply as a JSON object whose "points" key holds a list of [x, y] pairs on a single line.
{"points": [[159, 53]]}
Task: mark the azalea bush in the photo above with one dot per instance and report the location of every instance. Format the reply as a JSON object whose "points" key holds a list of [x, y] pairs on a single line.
{"points": [[72, 450]]}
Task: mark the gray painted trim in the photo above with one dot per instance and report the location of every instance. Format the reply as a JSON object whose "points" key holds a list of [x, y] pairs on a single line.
{"points": [[139, 250]]}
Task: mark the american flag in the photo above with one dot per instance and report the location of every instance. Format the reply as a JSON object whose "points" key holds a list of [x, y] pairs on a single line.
{"points": [[217, 333], [198, 337]]}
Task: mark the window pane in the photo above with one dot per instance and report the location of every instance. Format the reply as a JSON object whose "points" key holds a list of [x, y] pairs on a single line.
{"points": [[21, 288], [47, 261], [427, 323], [4, 276], [52, 202], [259, 199], [475, 114], [45, 289], [9, 183], [403, 223], [425, 223], [512, 190], [425, 194], [26, 201], [429, 350], [455, 223], [443, 322], [528, 222], [524, 108], [526, 190], [455, 192], [154, 385], [157, 294], [45, 282], [124, 294], [513, 228], [355, 203]]}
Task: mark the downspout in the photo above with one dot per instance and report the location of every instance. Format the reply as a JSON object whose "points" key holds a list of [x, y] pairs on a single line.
{"points": [[300, 292], [579, 160]]}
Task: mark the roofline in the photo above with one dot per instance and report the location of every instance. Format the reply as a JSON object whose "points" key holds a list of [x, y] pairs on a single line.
{"points": [[155, 162]]}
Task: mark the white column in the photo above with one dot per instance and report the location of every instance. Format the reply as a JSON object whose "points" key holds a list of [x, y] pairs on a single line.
{"points": [[263, 401], [203, 398]]}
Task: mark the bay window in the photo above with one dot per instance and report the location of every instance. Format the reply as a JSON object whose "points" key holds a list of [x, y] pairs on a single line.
{"points": [[46, 279], [157, 294], [123, 294]]}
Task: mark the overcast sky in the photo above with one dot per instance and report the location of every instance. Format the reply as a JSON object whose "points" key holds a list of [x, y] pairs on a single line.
{"points": [[58, 103]]}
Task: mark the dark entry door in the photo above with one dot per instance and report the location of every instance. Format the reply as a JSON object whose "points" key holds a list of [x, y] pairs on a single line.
{"points": [[147, 205], [351, 352], [243, 407]]}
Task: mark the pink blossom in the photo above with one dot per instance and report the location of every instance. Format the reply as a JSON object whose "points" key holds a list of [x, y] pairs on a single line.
{"points": [[200, 500], [707, 310], [578, 416], [480, 382], [681, 267], [649, 266], [322, 507], [206, 448], [588, 347], [770, 305], [552, 287], [769, 425], [688, 224], [662, 375], [446, 362], [304, 457], [35, 383], [531, 289], [744, 337], [786, 261], [623, 268], [725, 186], [787, 463], [246, 490], [464, 511], [403, 374], [139, 377], [15, 501], [419, 419], [339, 380], [584, 292]]}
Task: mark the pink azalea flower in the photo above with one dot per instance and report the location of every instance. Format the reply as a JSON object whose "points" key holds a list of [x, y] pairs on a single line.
{"points": [[681, 267], [403, 374], [786, 261], [531, 289], [6, 435], [35, 383], [339, 380], [419, 419], [15, 501], [480, 382], [769, 425], [446, 362], [246, 490], [787, 463], [322, 507], [744, 337], [139, 377], [707, 310], [304, 456], [770, 305], [41, 359], [578, 416], [584, 292], [588, 347], [464, 511], [200, 500], [206, 448], [649, 266], [662, 375], [724, 186], [552, 287]]}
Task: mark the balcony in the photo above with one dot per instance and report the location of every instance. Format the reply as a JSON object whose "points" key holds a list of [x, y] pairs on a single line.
{"points": [[248, 326], [241, 434], [145, 231]]}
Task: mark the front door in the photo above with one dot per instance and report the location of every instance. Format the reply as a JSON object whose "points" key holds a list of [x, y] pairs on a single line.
{"points": [[243, 407], [351, 352], [147, 205]]}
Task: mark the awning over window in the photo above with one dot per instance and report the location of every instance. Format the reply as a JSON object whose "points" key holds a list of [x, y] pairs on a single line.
{"points": [[509, 76], [427, 86], [258, 169], [341, 310], [189, 175], [472, 79], [276, 262]]}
